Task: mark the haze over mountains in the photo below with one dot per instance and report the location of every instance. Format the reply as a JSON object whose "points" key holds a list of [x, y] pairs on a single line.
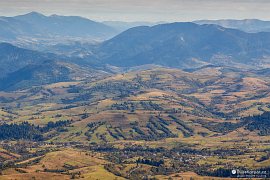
{"points": [[122, 26], [35, 26], [175, 45], [44, 33], [247, 25]]}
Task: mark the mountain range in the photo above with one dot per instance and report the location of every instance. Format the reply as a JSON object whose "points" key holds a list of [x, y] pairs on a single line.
{"points": [[174, 45], [247, 25], [185, 45], [123, 26], [32, 26]]}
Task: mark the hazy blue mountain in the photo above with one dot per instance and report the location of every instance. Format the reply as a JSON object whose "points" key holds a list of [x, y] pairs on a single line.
{"points": [[184, 45], [35, 74], [47, 72], [122, 26], [34, 25], [23, 68], [13, 58], [247, 25]]}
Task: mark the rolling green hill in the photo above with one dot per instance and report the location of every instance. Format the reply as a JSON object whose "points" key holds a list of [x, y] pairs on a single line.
{"points": [[164, 119]]}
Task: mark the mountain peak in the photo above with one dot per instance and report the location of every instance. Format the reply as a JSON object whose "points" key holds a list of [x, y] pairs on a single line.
{"points": [[6, 45], [32, 14]]}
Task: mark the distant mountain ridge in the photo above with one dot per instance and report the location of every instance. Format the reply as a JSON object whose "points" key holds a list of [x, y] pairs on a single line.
{"points": [[247, 25], [36, 25], [122, 26], [185, 45]]}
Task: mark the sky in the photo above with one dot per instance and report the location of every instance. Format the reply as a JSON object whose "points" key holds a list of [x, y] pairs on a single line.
{"points": [[142, 10]]}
